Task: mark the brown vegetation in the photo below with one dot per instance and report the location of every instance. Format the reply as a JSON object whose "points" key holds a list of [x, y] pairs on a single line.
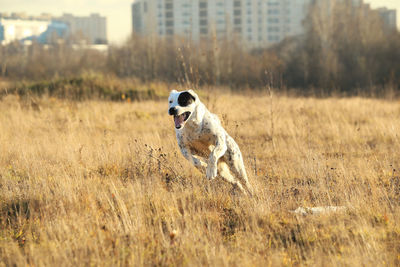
{"points": [[103, 183], [89, 86]]}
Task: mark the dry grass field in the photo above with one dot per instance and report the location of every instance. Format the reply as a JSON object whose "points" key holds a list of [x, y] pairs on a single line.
{"points": [[103, 183]]}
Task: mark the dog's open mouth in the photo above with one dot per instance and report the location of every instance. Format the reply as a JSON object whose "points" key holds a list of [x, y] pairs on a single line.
{"points": [[181, 119]]}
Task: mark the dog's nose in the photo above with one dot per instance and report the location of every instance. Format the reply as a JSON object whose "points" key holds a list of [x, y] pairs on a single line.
{"points": [[172, 111]]}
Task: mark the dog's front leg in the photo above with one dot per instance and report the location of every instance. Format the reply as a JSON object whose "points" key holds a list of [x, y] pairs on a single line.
{"points": [[197, 162], [216, 154]]}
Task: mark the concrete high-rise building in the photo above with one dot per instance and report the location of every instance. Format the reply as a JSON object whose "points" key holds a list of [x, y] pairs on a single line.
{"points": [[93, 27], [258, 23], [389, 17]]}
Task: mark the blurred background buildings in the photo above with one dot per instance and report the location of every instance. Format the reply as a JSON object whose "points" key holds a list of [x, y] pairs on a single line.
{"points": [[46, 29], [326, 45], [257, 23], [389, 17]]}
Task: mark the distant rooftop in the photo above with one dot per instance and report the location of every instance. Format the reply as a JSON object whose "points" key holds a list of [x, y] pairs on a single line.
{"points": [[24, 16]]}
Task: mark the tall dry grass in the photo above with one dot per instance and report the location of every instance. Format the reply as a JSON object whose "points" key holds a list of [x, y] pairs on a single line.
{"points": [[103, 183]]}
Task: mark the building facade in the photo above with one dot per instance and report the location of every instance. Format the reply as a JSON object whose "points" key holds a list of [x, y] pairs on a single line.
{"points": [[92, 28], [389, 17], [256, 22], [12, 29], [47, 29]]}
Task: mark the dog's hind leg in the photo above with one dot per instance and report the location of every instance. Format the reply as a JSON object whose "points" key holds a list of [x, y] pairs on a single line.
{"points": [[224, 172], [234, 160], [239, 170]]}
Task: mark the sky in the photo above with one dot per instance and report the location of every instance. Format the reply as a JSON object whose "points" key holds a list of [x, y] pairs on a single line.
{"points": [[118, 12]]}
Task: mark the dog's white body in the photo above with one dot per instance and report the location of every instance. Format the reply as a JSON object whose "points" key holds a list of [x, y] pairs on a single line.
{"points": [[204, 142]]}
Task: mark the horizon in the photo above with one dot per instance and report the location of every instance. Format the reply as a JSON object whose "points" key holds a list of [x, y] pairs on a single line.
{"points": [[117, 12]]}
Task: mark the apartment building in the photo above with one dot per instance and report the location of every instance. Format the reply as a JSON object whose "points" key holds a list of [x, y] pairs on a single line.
{"points": [[258, 23], [389, 17], [92, 28]]}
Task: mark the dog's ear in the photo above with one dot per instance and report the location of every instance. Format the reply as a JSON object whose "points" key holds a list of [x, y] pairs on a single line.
{"points": [[174, 91], [193, 94], [186, 98]]}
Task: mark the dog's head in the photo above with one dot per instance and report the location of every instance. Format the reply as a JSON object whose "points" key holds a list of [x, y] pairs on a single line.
{"points": [[181, 106]]}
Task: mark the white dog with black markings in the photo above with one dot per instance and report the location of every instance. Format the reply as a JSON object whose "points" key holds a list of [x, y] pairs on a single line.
{"points": [[204, 142]]}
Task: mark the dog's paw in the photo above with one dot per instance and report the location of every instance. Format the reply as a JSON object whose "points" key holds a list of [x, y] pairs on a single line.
{"points": [[211, 173]]}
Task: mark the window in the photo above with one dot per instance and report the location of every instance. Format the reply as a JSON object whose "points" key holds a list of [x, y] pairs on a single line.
{"points": [[203, 4], [169, 14], [273, 38], [145, 7], [237, 21], [273, 11], [169, 23], [273, 20], [168, 5], [237, 3], [203, 13], [237, 12], [170, 31], [203, 22], [203, 30], [273, 29], [237, 29], [273, 3]]}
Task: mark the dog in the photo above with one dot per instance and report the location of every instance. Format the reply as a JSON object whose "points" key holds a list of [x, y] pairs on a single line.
{"points": [[204, 142]]}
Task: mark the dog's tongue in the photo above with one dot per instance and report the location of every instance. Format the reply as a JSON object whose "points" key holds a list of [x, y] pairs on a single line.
{"points": [[178, 120]]}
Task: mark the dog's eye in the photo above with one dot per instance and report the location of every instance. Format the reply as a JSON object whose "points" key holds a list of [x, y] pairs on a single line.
{"points": [[170, 102]]}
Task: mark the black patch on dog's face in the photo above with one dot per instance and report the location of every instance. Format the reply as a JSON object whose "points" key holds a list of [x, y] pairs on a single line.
{"points": [[185, 99]]}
